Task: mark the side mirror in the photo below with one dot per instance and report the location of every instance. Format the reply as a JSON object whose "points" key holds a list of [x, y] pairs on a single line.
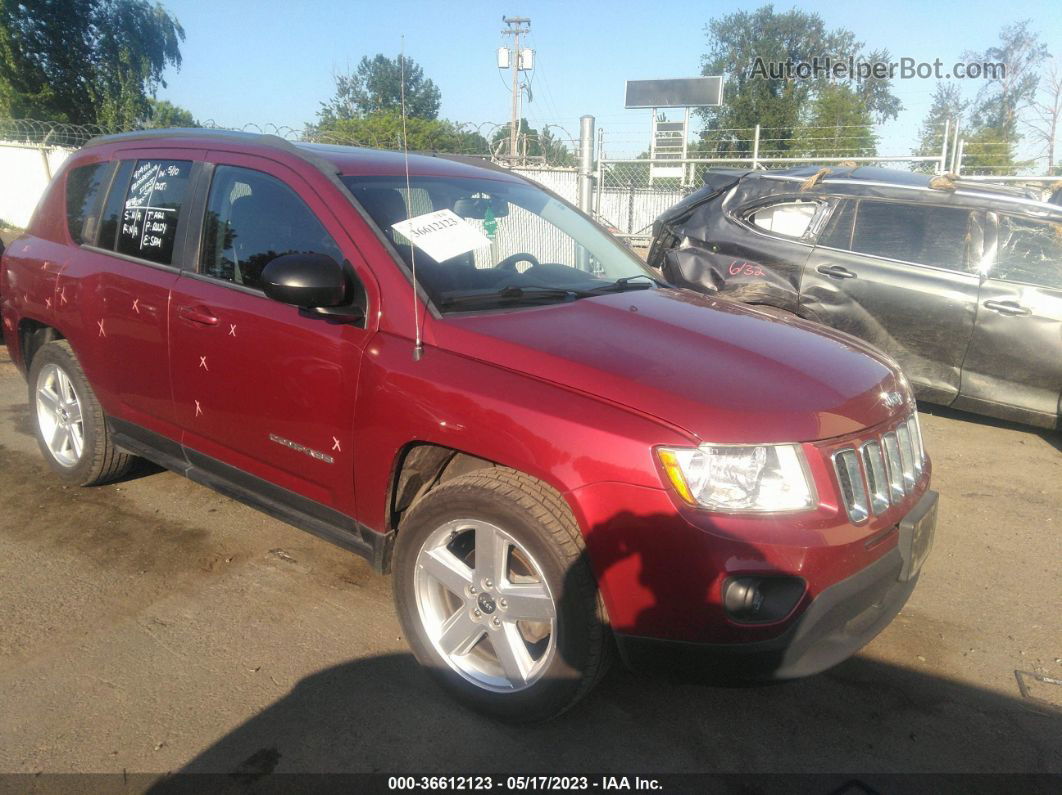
{"points": [[305, 280], [313, 282]]}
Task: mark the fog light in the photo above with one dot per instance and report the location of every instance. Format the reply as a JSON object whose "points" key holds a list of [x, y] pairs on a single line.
{"points": [[754, 600]]}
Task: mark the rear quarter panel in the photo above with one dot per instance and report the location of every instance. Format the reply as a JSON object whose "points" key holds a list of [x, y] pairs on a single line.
{"points": [[720, 253]]}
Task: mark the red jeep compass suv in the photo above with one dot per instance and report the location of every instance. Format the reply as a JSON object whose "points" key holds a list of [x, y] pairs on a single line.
{"points": [[449, 370]]}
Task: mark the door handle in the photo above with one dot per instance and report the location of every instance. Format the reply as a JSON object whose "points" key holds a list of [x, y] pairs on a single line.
{"points": [[1010, 308], [836, 271], [197, 314]]}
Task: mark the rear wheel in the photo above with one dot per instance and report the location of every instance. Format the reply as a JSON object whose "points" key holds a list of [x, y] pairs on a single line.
{"points": [[496, 596], [69, 422]]}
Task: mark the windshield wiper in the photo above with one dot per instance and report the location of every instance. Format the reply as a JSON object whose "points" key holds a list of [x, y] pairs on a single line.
{"points": [[515, 294], [625, 283]]}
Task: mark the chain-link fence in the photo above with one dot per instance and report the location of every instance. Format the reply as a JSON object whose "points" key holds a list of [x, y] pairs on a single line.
{"points": [[629, 193]]}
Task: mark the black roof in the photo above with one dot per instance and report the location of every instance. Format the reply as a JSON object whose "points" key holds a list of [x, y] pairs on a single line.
{"points": [[895, 178]]}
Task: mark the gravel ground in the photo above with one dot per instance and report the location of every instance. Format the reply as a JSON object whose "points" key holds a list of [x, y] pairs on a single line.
{"points": [[153, 625]]}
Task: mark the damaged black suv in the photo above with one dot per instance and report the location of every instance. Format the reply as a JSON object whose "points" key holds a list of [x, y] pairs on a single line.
{"points": [[960, 282]]}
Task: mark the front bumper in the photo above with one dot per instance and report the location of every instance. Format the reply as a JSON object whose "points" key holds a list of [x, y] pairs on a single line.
{"points": [[839, 621]]}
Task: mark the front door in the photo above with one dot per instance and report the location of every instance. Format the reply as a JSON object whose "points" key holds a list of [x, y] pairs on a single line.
{"points": [[902, 277], [1014, 366], [265, 393]]}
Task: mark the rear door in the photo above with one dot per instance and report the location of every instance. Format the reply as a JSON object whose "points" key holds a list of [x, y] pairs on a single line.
{"points": [[1014, 366], [119, 285], [264, 392], [903, 277]]}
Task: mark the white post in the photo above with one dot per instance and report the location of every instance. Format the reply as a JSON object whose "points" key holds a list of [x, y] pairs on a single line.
{"points": [[600, 170], [957, 169], [756, 148], [955, 145], [942, 167], [586, 163]]}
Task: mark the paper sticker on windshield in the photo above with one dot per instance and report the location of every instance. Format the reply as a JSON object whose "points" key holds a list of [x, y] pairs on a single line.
{"points": [[441, 234]]}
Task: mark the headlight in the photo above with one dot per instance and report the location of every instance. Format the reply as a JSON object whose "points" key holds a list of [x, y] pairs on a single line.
{"points": [[735, 478]]}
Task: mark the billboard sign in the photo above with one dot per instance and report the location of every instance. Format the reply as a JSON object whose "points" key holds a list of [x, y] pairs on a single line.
{"points": [[687, 92]]}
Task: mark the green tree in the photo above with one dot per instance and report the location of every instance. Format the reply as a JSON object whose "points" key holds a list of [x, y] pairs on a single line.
{"points": [[990, 146], [836, 123], [376, 85], [162, 113], [84, 61], [947, 109], [383, 130], [743, 45], [1005, 94], [1045, 117]]}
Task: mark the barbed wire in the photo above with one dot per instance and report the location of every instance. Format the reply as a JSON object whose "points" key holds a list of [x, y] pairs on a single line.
{"points": [[559, 150]]}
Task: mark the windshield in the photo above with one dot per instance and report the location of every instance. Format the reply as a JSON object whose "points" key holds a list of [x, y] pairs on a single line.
{"points": [[483, 243]]}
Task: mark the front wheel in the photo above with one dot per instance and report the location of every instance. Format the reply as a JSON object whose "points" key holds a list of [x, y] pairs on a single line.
{"points": [[496, 597]]}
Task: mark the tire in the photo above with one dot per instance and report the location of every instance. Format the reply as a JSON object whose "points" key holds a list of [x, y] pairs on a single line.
{"points": [[566, 644], [68, 420]]}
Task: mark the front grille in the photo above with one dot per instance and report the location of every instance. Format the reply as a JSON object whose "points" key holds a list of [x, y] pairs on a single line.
{"points": [[881, 471]]}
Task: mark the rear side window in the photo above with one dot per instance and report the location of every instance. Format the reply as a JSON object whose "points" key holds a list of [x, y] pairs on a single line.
{"points": [[253, 218], [83, 188], [791, 219], [152, 205], [112, 208], [936, 236]]}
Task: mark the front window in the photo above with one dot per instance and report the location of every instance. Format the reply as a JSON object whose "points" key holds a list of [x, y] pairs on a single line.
{"points": [[481, 243], [1030, 252]]}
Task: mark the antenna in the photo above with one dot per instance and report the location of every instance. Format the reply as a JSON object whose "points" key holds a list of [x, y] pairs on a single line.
{"points": [[418, 345]]}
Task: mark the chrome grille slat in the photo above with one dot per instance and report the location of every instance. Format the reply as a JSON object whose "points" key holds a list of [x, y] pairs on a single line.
{"points": [[881, 471], [854, 493], [877, 480], [895, 464], [903, 435]]}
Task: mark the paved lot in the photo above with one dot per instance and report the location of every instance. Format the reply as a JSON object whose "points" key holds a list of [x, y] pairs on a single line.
{"points": [[153, 625]]}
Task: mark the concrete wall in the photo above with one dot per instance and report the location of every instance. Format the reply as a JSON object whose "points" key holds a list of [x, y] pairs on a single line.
{"points": [[25, 171]]}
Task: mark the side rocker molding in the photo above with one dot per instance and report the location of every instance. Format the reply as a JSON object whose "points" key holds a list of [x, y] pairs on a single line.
{"points": [[282, 504]]}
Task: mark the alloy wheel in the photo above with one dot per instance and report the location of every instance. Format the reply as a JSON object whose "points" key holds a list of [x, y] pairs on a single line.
{"points": [[59, 415], [485, 605]]}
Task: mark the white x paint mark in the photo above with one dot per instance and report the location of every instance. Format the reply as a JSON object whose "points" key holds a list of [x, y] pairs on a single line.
{"points": [[335, 445], [136, 305], [203, 364], [100, 324], [232, 330], [48, 302], [198, 410], [62, 295]]}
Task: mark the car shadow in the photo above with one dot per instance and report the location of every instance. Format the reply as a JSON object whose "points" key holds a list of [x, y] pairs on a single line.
{"points": [[385, 714], [1052, 437]]}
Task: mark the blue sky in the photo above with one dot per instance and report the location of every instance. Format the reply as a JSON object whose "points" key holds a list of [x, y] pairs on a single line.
{"points": [[254, 62]]}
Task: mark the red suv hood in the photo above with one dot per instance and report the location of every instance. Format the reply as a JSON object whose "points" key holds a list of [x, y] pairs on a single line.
{"points": [[722, 371]]}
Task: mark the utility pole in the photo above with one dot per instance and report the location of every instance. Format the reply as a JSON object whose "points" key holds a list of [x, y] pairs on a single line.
{"points": [[517, 27]]}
